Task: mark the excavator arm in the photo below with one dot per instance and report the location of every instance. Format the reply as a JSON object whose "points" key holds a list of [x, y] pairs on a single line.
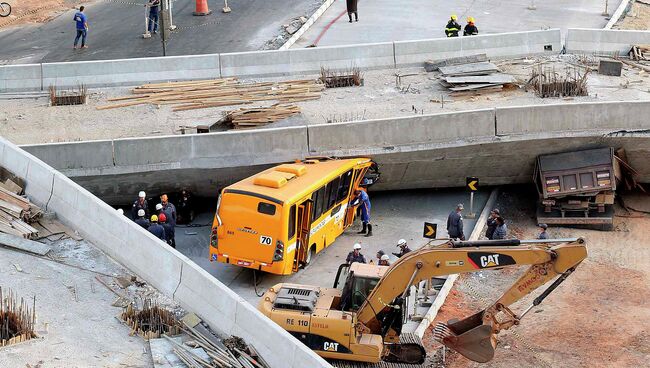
{"points": [[474, 337]]}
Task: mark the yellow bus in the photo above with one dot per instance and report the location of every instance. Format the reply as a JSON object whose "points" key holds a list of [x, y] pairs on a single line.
{"points": [[277, 220]]}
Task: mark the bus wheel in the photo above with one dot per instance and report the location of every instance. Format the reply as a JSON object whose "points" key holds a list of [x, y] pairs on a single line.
{"points": [[310, 255]]}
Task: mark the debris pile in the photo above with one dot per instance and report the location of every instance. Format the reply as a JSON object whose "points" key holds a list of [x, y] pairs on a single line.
{"points": [[17, 320], [345, 78], [17, 212], [218, 92], [548, 82], [640, 53], [69, 97], [473, 77], [246, 118]]}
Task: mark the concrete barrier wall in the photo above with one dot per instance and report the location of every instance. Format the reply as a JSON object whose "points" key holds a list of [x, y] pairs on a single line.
{"points": [[493, 45], [130, 71], [16, 78], [575, 117], [601, 41], [161, 266], [343, 139], [74, 155]]}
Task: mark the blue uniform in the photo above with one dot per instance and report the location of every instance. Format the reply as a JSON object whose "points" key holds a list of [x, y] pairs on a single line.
{"points": [[80, 18], [157, 230], [365, 206]]}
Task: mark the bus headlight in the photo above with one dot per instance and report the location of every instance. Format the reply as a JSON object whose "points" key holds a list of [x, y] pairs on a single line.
{"points": [[279, 251]]}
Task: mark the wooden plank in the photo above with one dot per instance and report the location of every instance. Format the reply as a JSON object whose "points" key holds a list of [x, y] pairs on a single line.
{"points": [[10, 197], [16, 242], [55, 227], [12, 187], [492, 79]]}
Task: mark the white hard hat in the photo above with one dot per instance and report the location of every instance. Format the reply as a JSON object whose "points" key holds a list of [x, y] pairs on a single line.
{"points": [[385, 257], [357, 246], [142, 194], [120, 211], [401, 242], [140, 212], [158, 206]]}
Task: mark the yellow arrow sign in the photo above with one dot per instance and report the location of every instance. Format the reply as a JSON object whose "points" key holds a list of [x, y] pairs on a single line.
{"points": [[472, 185], [430, 231]]}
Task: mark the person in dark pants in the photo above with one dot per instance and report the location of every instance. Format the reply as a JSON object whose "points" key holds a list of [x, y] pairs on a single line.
{"points": [[82, 28], [156, 229], [352, 8], [452, 28], [501, 231], [140, 204], [185, 208], [470, 27], [153, 16], [492, 223], [141, 220], [363, 201], [169, 230], [355, 255], [455, 223], [543, 234]]}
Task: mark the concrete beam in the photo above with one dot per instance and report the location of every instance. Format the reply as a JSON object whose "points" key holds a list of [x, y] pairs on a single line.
{"points": [[604, 42]]}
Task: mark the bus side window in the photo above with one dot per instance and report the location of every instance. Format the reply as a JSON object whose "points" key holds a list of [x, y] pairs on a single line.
{"points": [[322, 202], [292, 222], [344, 187], [332, 192]]}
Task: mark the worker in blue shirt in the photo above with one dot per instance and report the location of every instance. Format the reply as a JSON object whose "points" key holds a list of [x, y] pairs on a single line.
{"points": [[153, 16], [82, 28], [363, 201]]}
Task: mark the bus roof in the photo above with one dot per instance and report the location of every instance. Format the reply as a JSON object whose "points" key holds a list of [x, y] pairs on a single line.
{"points": [[314, 175]]}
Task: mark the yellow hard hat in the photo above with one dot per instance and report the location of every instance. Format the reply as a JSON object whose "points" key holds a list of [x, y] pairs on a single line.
{"points": [[454, 17], [470, 19], [154, 218]]}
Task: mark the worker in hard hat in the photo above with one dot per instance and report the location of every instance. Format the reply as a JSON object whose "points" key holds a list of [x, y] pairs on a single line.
{"points": [[140, 204], [403, 248], [470, 27], [355, 255], [542, 234], [142, 220], [156, 229], [363, 201], [384, 260], [452, 28], [169, 230]]}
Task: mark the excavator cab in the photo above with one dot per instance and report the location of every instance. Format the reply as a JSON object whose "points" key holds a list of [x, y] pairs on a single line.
{"points": [[357, 281]]}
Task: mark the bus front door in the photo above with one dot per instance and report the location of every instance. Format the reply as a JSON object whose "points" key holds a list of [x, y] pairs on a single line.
{"points": [[356, 180], [304, 225]]}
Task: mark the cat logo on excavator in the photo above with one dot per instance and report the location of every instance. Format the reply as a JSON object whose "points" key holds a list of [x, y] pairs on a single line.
{"points": [[489, 260]]}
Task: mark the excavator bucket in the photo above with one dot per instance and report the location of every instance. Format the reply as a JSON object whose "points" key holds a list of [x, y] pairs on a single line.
{"points": [[469, 337]]}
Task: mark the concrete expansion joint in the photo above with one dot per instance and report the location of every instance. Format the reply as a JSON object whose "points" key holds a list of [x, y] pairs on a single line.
{"points": [[51, 193], [180, 279]]}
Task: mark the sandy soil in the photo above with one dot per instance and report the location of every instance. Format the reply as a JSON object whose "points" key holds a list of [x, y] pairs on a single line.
{"points": [[637, 18], [597, 318], [37, 11], [31, 120]]}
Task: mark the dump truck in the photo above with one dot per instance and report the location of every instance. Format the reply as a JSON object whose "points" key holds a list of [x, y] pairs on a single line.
{"points": [[577, 188]]}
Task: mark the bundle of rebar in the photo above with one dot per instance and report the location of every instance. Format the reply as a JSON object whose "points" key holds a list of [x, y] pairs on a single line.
{"points": [[68, 97], [151, 322], [17, 320], [547, 82], [218, 92], [342, 78]]}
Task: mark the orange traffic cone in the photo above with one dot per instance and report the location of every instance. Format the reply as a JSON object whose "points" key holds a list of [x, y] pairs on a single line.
{"points": [[202, 8]]}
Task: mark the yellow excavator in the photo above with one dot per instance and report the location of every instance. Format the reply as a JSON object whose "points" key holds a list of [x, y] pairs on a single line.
{"points": [[362, 321]]}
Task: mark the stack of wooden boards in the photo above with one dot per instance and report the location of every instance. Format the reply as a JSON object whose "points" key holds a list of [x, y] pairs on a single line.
{"points": [[471, 77], [246, 118], [218, 92], [16, 212], [640, 53]]}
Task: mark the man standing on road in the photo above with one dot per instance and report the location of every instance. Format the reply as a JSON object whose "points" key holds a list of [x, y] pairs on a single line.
{"points": [[492, 223], [470, 28], [542, 234], [501, 230], [82, 28], [153, 5], [355, 255], [453, 27], [139, 204], [455, 223], [362, 200], [352, 8]]}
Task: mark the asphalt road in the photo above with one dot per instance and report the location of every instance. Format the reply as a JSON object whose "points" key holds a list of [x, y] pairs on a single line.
{"points": [[116, 29], [395, 215]]}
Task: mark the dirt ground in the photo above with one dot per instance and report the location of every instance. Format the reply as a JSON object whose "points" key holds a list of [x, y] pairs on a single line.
{"points": [[28, 118], [597, 318], [637, 18], [37, 11]]}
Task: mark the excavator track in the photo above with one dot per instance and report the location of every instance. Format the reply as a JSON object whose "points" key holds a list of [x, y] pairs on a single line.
{"points": [[409, 349]]}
